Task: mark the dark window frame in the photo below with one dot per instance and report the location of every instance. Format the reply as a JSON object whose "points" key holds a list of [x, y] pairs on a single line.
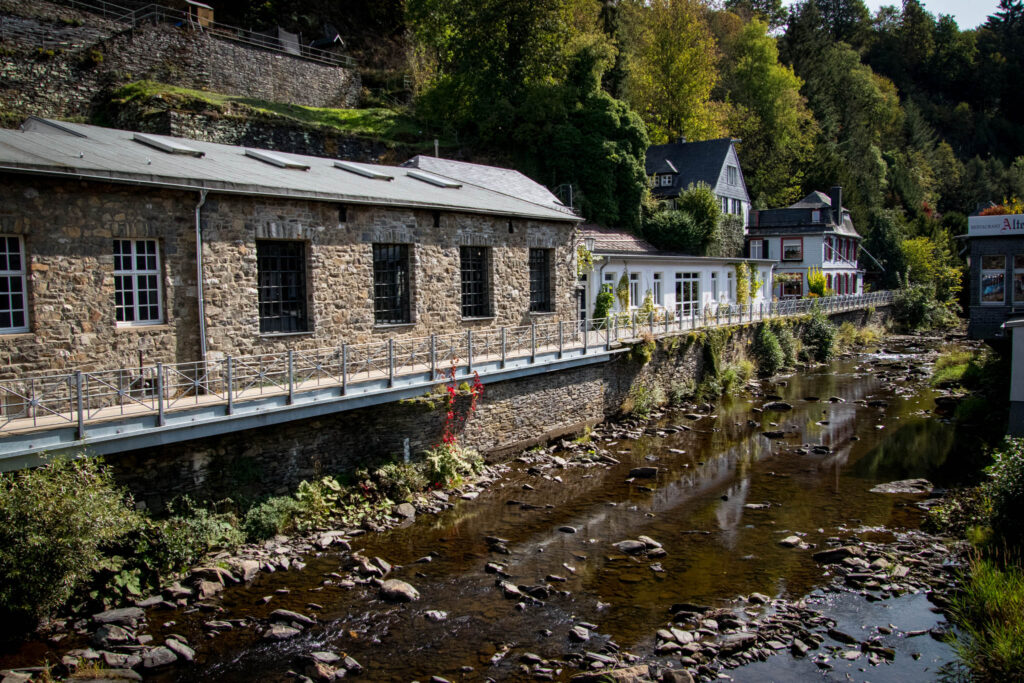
{"points": [[540, 280], [282, 286], [138, 282], [392, 284], [14, 314], [474, 267]]}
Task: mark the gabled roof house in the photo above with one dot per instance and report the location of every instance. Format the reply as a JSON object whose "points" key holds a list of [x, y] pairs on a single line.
{"points": [[675, 166]]}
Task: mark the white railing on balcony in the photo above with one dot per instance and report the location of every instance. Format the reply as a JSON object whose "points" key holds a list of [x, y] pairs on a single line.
{"points": [[78, 398]]}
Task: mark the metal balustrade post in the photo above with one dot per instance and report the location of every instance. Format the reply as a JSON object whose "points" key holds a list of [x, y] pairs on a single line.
{"points": [[533, 342], [469, 352], [291, 377], [80, 406], [632, 331], [433, 356], [344, 369], [586, 336], [608, 334], [391, 361], [160, 420], [561, 341], [231, 387], [504, 347]]}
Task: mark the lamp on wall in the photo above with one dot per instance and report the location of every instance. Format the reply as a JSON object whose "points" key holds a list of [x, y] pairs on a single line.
{"points": [[589, 243]]}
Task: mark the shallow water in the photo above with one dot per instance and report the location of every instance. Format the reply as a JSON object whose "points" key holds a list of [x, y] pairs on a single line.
{"points": [[717, 548]]}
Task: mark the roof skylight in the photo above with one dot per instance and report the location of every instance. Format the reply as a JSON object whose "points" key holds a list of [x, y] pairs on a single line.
{"points": [[433, 179], [275, 159], [362, 170], [169, 146]]}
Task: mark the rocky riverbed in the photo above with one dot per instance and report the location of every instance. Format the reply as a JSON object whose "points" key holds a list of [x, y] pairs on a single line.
{"points": [[704, 542]]}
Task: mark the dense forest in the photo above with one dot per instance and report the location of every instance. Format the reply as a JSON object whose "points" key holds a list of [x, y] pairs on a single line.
{"points": [[919, 120]]}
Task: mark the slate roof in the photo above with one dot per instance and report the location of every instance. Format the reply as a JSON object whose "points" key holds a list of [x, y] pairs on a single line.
{"points": [[106, 154], [694, 162], [610, 241], [796, 219], [504, 180], [815, 200]]}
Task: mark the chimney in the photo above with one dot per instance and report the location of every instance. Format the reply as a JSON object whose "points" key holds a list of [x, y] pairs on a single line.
{"points": [[836, 194]]}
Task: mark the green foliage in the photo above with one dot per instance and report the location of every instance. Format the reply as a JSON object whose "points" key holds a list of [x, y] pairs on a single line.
{"points": [[957, 368], [735, 376], [728, 239], [192, 531], [768, 351], [603, 303], [398, 481], [448, 463], [318, 501], [989, 614], [54, 524], [742, 283], [679, 392], [271, 517], [622, 292], [642, 351], [642, 400], [959, 511], [819, 337], [788, 343], [816, 282], [584, 261], [850, 336], [692, 227], [1005, 489], [916, 308]]}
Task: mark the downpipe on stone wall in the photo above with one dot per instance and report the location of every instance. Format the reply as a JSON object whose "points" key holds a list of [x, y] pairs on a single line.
{"points": [[199, 278]]}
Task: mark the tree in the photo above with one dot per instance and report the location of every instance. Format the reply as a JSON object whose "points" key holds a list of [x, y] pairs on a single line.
{"points": [[769, 116], [770, 12], [672, 58], [692, 227]]}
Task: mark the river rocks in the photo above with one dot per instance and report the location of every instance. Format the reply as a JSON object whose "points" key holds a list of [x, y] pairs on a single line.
{"points": [[579, 634], [126, 616], [834, 555], [904, 486], [157, 657], [643, 472], [111, 635], [289, 616], [790, 542], [396, 590], [181, 649], [777, 405], [280, 632]]}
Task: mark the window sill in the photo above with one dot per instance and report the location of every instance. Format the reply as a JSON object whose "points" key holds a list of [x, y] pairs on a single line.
{"points": [[276, 335], [17, 334], [392, 326], [542, 314], [477, 318], [158, 327]]}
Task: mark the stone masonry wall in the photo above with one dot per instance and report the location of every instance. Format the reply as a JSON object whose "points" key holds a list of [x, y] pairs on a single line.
{"points": [[67, 83], [68, 231], [68, 228]]}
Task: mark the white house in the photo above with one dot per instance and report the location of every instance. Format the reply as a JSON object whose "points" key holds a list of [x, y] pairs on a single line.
{"points": [[675, 166], [678, 283], [816, 232]]}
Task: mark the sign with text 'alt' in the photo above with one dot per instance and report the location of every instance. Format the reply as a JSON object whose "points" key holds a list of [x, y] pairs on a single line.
{"points": [[981, 226]]}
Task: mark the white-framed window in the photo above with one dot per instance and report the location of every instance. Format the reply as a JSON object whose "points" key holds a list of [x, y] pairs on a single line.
{"points": [[730, 286], [737, 207], [634, 290], [993, 279], [733, 174], [756, 248], [609, 278], [687, 294], [659, 299], [714, 285], [13, 301], [1018, 278], [137, 287], [792, 249], [665, 180], [725, 204]]}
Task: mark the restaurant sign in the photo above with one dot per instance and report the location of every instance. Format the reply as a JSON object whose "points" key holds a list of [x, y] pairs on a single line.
{"points": [[982, 226]]}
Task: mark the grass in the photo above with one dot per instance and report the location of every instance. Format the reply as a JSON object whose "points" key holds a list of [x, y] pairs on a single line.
{"points": [[954, 368], [378, 123], [990, 615], [851, 336]]}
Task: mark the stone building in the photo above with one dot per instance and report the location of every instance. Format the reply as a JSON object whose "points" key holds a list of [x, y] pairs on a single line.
{"points": [[100, 267]]}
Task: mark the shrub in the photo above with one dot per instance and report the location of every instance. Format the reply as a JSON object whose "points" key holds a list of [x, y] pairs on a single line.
{"points": [[680, 391], [820, 337], [642, 351], [1006, 489], [448, 463], [271, 517], [989, 612], [54, 522], [817, 283], [768, 351], [192, 531], [604, 302], [959, 511], [398, 481], [788, 343], [642, 400]]}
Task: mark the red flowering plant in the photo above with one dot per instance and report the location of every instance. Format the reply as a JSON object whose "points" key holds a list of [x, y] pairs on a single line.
{"points": [[448, 461]]}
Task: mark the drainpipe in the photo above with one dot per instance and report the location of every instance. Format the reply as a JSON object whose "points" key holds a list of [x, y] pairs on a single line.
{"points": [[199, 278]]}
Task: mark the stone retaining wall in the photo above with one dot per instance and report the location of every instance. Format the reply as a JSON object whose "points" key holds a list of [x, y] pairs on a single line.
{"points": [[77, 77]]}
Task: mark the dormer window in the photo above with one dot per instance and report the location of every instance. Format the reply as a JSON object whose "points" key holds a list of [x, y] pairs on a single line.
{"points": [[816, 216], [665, 180]]}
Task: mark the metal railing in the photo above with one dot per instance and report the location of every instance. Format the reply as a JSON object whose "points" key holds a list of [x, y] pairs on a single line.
{"points": [[78, 398], [133, 17]]}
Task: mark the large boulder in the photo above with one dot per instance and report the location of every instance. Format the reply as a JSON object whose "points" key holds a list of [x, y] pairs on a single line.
{"points": [[396, 590]]}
